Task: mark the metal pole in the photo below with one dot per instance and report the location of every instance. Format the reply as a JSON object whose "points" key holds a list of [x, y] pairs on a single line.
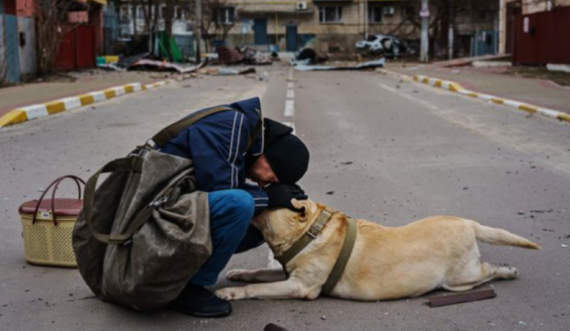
{"points": [[425, 26], [366, 19], [451, 20], [198, 29]]}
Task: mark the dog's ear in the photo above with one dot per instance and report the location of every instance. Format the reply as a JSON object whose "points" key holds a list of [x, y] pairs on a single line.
{"points": [[301, 204]]}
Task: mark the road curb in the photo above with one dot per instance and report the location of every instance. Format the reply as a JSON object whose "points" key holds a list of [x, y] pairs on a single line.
{"points": [[457, 88], [28, 113]]}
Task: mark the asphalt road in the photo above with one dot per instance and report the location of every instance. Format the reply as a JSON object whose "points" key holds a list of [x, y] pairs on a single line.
{"points": [[381, 149]]}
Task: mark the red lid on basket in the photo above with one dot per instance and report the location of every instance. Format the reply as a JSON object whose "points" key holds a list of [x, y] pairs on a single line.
{"points": [[62, 207]]}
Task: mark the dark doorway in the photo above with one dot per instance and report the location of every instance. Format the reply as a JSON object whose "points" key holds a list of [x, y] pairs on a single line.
{"points": [[260, 31], [292, 38]]}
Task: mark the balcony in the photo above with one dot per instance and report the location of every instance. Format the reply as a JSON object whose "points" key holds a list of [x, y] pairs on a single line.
{"points": [[299, 8]]}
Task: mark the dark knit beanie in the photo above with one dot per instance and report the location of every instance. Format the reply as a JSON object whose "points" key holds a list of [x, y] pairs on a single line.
{"points": [[287, 155]]}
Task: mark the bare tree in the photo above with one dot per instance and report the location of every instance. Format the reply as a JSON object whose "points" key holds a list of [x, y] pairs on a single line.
{"points": [[51, 27], [217, 20]]}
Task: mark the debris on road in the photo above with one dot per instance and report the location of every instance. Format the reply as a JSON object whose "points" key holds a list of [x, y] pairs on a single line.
{"points": [[218, 71], [147, 64], [308, 56], [243, 55], [451, 299], [361, 66]]}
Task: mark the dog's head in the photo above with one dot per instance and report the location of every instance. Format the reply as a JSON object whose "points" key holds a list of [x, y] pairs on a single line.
{"points": [[282, 227]]}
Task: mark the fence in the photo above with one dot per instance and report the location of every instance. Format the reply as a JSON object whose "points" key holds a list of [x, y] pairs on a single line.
{"points": [[9, 57], [17, 48], [542, 38]]}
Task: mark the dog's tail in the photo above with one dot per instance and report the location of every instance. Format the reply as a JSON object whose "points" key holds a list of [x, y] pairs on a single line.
{"points": [[496, 236]]}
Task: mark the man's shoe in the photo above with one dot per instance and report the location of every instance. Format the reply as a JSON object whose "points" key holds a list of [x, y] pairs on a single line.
{"points": [[199, 302]]}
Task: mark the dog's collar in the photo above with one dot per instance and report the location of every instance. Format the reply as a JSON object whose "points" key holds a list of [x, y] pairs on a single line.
{"points": [[344, 254], [314, 230]]}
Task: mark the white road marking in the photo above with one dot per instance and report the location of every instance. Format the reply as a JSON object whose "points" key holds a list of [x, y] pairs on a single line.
{"points": [[272, 263], [289, 108]]}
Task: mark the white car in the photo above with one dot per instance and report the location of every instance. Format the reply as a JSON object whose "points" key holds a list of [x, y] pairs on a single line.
{"points": [[378, 44]]}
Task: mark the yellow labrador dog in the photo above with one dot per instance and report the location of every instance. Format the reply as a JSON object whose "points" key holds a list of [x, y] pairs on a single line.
{"points": [[386, 262]]}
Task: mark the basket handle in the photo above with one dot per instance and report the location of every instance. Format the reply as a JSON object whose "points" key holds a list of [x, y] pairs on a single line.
{"points": [[55, 185]]}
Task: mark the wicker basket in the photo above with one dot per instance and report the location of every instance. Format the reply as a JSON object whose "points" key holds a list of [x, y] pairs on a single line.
{"points": [[47, 227]]}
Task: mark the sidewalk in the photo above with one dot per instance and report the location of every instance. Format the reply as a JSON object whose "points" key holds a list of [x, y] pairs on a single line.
{"points": [[86, 81], [538, 92]]}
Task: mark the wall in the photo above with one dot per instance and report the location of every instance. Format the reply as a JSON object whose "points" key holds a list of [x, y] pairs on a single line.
{"points": [[25, 8], [342, 36], [9, 58], [528, 7], [28, 63], [540, 43]]}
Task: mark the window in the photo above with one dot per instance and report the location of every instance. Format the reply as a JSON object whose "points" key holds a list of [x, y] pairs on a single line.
{"points": [[225, 15], [140, 12], [124, 12], [375, 14], [408, 12], [330, 14]]}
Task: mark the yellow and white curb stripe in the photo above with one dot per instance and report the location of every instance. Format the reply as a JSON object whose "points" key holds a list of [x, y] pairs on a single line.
{"points": [[29, 113], [454, 87]]}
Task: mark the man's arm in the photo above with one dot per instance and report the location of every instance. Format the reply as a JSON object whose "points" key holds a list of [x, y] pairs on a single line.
{"points": [[217, 146]]}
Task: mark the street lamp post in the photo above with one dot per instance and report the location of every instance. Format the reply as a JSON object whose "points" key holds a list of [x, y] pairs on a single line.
{"points": [[198, 29], [424, 13]]}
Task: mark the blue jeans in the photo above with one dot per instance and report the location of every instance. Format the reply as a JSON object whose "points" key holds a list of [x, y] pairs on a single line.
{"points": [[231, 212]]}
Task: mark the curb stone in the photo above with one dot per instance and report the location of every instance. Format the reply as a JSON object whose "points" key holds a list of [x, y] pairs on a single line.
{"points": [[456, 88], [29, 113]]}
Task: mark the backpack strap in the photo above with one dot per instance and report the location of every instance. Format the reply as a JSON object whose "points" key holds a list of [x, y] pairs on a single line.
{"points": [[173, 130]]}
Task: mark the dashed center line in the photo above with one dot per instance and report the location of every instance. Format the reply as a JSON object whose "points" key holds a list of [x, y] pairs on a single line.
{"points": [[290, 94], [289, 108], [289, 112], [290, 99]]}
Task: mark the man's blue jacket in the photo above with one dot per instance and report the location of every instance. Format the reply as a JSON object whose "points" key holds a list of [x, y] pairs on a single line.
{"points": [[217, 146]]}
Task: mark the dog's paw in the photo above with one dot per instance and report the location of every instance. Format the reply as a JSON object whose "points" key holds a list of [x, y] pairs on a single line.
{"points": [[231, 293], [514, 272], [239, 275]]}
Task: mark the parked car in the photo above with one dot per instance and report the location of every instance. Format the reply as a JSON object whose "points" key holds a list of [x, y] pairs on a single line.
{"points": [[388, 46]]}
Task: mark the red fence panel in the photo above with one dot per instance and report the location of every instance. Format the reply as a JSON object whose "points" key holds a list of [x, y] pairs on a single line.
{"points": [[66, 55], [85, 45], [561, 36], [542, 38], [77, 49]]}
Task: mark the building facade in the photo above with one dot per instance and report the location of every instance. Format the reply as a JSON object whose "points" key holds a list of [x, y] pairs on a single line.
{"points": [[17, 41], [327, 25], [335, 25]]}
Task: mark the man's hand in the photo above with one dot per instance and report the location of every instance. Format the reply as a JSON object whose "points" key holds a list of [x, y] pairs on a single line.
{"points": [[280, 195]]}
